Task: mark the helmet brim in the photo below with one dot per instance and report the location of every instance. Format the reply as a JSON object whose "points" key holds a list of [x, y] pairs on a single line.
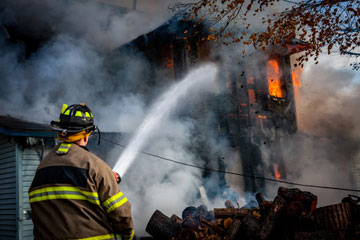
{"points": [[56, 127]]}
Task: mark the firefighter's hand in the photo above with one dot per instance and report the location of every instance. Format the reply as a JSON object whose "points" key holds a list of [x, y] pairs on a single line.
{"points": [[117, 177]]}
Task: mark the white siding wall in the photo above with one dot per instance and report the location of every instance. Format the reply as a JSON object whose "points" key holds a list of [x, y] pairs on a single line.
{"points": [[7, 189], [30, 159]]}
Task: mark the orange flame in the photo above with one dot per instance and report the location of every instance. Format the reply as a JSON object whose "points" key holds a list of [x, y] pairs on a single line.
{"points": [[251, 96], [276, 171], [296, 77], [261, 116], [251, 80], [295, 74], [273, 74], [169, 63]]}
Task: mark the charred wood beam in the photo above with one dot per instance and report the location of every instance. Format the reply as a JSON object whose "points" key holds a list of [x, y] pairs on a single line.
{"points": [[250, 227], [234, 230], [272, 219], [213, 226], [162, 227], [263, 204], [230, 212], [307, 199], [334, 217], [229, 204]]}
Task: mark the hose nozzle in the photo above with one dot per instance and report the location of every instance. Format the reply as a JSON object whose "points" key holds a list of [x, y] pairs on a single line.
{"points": [[117, 177]]}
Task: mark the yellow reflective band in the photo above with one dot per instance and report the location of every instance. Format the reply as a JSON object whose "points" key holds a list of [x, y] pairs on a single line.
{"points": [[67, 112], [87, 114], [119, 204], [63, 148], [56, 189], [60, 149], [78, 114], [116, 196], [101, 237], [65, 145], [91, 115], [51, 193], [63, 196], [64, 107], [128, 237]]}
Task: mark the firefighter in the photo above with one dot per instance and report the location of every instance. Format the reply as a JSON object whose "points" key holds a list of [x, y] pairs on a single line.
{"points": [[74, 194]]}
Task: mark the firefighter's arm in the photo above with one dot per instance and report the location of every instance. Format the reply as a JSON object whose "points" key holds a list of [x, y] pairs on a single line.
{"points": [[115, 203]]}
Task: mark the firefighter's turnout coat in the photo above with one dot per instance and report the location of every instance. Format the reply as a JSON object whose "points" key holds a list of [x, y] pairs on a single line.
{"points": [[74, 196]]}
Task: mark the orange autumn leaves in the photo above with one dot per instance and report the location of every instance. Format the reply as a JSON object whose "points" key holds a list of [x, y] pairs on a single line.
{"points": [[330, 25]]}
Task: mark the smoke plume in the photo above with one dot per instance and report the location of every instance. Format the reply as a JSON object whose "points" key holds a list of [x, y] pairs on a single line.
{"points": [[74, 59], [326, 145]]}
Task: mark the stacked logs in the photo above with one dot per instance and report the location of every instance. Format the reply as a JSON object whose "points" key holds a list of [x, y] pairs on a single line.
{"points": [[291, 215]]}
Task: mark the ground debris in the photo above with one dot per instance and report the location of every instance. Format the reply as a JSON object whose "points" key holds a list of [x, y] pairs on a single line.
{"points": [[292, 215]]}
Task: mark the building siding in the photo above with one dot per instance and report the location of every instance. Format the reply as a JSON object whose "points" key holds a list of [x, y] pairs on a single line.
{"points": [[30, 159], [357, 172], [7, 189]]}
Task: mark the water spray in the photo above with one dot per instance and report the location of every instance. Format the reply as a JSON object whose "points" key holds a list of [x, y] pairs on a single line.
{"points": [[160, 110]]}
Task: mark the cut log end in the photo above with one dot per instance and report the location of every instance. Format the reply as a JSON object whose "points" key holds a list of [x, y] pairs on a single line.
{"points": [[162, 227]]}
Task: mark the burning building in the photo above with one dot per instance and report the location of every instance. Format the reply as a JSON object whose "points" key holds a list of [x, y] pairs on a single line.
{"points": [[253, 108], [255, 104]]}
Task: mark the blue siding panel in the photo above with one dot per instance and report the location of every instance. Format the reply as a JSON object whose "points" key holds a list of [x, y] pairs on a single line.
{"points": [[7, 175], [4, 156], [6, 170], [7, 195], [7, 186], [6, 149], [8, 165], [7, 189]]}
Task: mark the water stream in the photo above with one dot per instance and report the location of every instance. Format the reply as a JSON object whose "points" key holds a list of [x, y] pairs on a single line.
{"points": [[197, 80]]}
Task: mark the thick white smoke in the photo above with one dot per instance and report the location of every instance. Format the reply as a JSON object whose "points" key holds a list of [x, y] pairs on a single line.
{"points": [[326, 145], [195, 81], [153, 183], [73, 66], [69, 66]]}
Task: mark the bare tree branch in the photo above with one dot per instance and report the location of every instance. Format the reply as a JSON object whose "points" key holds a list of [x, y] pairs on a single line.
{"points": [[333, 25]]}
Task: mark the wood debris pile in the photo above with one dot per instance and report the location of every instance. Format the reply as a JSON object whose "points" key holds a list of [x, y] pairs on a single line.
{"points": [[292, 215]]}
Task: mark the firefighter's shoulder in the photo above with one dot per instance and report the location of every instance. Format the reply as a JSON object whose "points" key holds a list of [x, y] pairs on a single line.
{"points": [[85, 158]]}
